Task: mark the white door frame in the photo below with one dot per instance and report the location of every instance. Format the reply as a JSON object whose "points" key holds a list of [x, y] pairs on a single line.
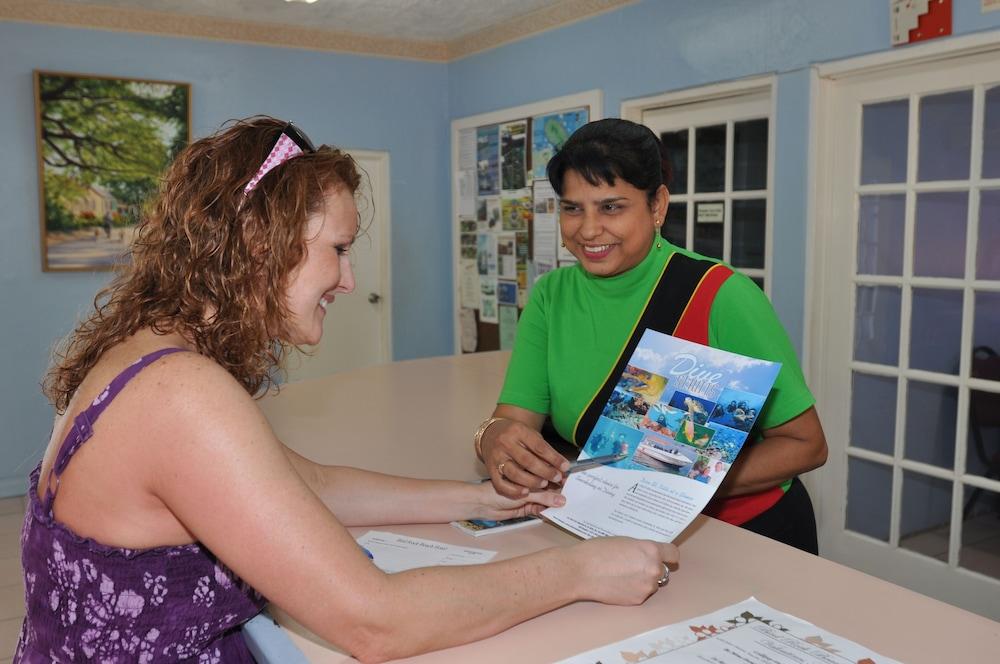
{"points": [[828, 167]]}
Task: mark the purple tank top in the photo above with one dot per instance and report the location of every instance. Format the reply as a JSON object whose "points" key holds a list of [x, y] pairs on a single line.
{"points": [[85, 601]]}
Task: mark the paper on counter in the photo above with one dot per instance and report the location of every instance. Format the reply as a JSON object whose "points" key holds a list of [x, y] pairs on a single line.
{"points": [[397, 553], [749, 632]]}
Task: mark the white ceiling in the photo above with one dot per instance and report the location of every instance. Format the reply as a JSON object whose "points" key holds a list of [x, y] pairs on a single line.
{"points": [[431, 20]]}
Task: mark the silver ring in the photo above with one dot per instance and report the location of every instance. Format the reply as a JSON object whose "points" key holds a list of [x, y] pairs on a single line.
{"points": [[662, 581], [500, 469]]}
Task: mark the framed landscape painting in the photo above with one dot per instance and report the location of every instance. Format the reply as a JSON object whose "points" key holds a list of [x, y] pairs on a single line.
{"points": [[103, 144]]}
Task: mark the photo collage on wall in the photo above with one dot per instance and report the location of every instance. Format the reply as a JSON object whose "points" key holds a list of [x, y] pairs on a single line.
{"points": [[508, 220], [682, 408]]}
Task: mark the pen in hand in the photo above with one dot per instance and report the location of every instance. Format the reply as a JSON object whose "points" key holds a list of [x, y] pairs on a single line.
{"points": [[592, 462]]}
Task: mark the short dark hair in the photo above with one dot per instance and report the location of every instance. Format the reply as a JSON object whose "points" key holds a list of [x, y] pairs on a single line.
{"points": [[605, 150]]}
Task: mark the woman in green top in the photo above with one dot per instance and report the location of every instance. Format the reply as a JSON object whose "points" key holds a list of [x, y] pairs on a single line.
{"points": [[613, 200]]}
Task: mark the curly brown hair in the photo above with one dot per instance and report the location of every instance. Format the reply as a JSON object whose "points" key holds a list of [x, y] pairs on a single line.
{"points": [[209, 264]]}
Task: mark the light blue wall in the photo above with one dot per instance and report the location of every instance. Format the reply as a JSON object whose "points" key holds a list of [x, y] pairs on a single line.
{"points": [[360, 102], [664, 45], [405, 107]]}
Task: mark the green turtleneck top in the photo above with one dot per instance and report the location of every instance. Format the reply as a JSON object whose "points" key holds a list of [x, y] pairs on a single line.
{"points": [[575, 324]]}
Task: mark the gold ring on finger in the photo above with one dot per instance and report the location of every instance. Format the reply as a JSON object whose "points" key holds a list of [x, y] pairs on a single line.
{"points": [[500, 469]]}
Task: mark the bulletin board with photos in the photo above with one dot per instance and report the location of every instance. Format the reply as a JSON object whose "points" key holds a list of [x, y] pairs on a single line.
{"points": [[506, 215]]}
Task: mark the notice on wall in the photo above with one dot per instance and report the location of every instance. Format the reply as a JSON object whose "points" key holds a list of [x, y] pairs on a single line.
{"points": [[466, 174], [514, 155], [486, 268], [468, 280], [507, 256], [488, 299], [710, 213], [467, 329], [516, 210], [545, 238], [508, 327], [549, 133], [507, 292], [488, 160]]}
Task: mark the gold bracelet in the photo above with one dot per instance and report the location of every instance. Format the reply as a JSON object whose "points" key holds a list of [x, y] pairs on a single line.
{"points": [[478, 438]]}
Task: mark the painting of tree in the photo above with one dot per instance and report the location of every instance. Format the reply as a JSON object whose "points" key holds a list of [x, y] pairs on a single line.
{"points": [[102, 145]]}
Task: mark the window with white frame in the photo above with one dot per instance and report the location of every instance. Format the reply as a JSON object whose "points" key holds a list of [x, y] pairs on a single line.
{"points": [[719, 151]]}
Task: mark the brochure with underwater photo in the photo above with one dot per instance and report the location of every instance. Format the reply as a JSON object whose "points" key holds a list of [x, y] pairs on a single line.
{"points": [[679, 415]]}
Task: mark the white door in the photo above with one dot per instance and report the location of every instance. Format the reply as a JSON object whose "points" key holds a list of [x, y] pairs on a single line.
{"points": [[907, 308], [356, 332]]}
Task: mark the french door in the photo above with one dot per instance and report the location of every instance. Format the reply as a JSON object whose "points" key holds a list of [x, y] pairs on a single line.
{"points": [[907, 325]]}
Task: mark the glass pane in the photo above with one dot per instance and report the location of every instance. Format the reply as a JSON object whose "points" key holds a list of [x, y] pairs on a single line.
{"points": [[945, 136], [880, 234], [708, 228], [991, 134], [709, 158], [674, 229], [759, 281], [883, 142], [939, 235], [925, 520], [980, 550], [750, 155], [876, 324], [986, 335], [873, 412], [749, 233], [982, 455], [869, 498], [988, 258], [675, 151], [930, 424], [936, 329]]}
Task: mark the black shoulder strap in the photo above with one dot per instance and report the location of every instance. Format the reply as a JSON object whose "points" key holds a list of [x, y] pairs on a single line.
{"points": [[666, 304]]}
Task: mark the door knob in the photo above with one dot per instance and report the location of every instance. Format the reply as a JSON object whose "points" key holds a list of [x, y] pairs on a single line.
{"points": [[374, 297]]}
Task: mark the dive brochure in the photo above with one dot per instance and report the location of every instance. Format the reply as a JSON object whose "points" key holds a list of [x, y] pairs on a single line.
{"points": [[679, 414]]}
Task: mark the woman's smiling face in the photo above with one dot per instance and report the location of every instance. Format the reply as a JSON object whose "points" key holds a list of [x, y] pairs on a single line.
{"points": [[608, 227], [325, 269]]}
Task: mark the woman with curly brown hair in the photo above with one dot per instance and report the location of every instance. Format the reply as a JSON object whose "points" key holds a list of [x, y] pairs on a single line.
{"points": [[140, 542]]}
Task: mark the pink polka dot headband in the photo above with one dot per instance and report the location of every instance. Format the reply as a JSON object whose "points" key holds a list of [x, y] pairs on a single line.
{"points": [[291, 143]]}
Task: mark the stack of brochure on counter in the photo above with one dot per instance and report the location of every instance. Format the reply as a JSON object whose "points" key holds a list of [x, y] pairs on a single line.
{"points": [[749, 632], [480, 527]]}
